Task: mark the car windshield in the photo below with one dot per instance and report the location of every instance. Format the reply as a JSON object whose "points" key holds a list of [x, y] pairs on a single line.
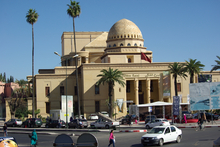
{"points": [[156, 131]]}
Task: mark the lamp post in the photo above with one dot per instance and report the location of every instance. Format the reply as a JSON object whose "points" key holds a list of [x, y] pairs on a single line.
{"points": [[66, 86]]}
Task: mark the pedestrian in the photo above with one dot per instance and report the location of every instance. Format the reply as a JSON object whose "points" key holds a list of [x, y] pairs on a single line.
{"points": [[34, 138], [5, 129], [59, 122], [111, 139], [184, 116], [136, 120], [129, 120], [71, 118]]}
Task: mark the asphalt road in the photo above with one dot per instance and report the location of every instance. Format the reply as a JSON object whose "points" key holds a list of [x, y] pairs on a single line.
{"points": [[191, 138]]}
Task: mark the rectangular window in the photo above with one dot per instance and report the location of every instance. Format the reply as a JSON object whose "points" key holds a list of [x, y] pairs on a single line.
{"points": [[128, 86], [178, 87], [140, 86], [61, 90], [47, 107], [75, 90], [97, 106], [151, 86], [96, 89], [47, 91]]}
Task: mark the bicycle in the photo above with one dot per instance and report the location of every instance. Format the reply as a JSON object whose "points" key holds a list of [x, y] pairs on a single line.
{"points": [[197, 127]]}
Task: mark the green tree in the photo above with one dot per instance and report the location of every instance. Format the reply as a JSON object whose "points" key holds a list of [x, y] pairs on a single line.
{"points": [[111, 77], [177, 69], [16, 98], [74, 11], [217, 66], [31, 18], [193, 67]]}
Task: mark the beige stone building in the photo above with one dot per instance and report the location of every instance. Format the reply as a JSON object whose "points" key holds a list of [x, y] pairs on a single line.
{"points": [[120, 48]]}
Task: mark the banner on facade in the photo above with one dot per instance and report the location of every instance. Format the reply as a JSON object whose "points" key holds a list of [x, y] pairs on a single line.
{"points": [[119, 103], [176, 104], [166, 83], [69, 103], [204, 96]]}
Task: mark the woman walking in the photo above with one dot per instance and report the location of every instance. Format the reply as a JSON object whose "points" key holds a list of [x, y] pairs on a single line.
{"points": [[34, 138], [111, 139]]}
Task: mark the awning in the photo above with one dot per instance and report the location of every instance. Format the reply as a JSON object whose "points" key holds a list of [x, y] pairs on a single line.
{"points": [[159, 103]]}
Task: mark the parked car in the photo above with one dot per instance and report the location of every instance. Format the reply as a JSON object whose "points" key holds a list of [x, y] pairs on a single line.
{"points": [[105, 113], [8, 138], [81, 117], [209, 116], [13, 122], [93, 116], [150, 118], [55, 124], [125, 120], [32, 122], [101, 123], [157, 122], [75, 123], [161, 134]]}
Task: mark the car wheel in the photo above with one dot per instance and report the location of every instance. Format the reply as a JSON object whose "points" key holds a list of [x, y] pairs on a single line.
{"points": [[13, 125], [148, 127], [160, 143], [57, 126], [32, 126], [178, 139], [47, 126], [107, 126], [85, 126]]}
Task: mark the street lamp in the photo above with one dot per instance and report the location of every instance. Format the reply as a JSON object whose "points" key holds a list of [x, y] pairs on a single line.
{"points": [[66, 86]]}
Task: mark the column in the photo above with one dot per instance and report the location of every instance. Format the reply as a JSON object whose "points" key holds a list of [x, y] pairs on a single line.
{"points": [[148, 90], [160, 87], [136, 91], [87, 59]]}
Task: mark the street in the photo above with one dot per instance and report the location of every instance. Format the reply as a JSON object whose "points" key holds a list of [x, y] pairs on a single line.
{"points": [[190, 138]]}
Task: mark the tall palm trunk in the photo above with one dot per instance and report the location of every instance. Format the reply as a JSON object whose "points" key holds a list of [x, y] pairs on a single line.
{"points": [[175, 84], [110, 99], [77, 85], [33, 95], [191, 78]]}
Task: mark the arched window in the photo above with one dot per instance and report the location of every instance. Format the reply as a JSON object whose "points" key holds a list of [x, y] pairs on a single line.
{"points": [[124, 36], [109, 45], [129, 60], [121, 36], [114, 36], [140, 45], [117, 36], [135, 44], [128, 36], [121, 44], [129, 44], [114, 45]]}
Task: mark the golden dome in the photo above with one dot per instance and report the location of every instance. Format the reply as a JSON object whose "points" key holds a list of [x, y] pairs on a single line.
{"points": [[124, 28]]}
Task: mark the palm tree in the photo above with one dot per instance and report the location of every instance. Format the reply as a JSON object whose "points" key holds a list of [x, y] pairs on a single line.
{"points": [[177, 69], [216, 67], [31, 18], [193, 67], [74, 11], [110, 76]]}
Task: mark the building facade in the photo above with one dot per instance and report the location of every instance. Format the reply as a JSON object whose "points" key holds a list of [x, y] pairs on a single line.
{"points": [[121, 49]]}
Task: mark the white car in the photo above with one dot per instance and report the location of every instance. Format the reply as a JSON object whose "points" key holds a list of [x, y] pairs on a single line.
{"points": [[162, 134], [93, 116], [157, 122], [105, 113]]}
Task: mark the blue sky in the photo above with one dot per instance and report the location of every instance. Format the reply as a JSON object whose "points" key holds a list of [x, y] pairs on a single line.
{"points": [[175, 30]]}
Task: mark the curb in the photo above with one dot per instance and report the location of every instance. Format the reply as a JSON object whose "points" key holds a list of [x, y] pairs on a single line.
{"points": [[133, 131], [194, 126]]}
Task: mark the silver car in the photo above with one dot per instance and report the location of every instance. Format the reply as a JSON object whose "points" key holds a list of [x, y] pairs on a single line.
{"points": [[13, 122]]}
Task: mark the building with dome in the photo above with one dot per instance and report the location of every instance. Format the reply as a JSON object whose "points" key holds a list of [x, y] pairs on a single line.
{"points": [[121, 49]]}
